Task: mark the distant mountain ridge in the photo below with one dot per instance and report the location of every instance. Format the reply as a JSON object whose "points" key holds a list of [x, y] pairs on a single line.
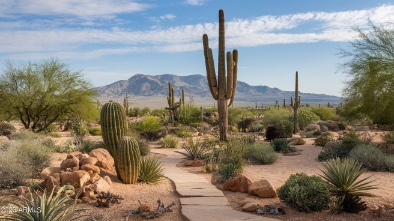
{"points": [[197, 86]]}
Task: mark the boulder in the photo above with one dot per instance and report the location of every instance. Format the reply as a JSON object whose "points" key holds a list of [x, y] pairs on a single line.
{"points": [[100, 186], [94, 177], [239, 184], [106, 178], [23, 191], [56, 176], [76, 178], [73, 154], [50, 184], [104, 159], [48, 171], [250, 207], [262, 188], [71, 163], [88, 160], [90, 168], [82, 156]]}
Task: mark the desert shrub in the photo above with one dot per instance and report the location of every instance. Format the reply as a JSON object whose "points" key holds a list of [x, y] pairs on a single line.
{"points": [[245, 124], [305, 193], [51, 128], [68, 147], [324, 113], [306, 117], [350, 140], [25, 135], [308, 134], [6, 129], [330, 125], [149, 127], [184, 133], [274, 115], [373, 158], [190, 114], [51, 207], [169, 141], [284, 129], [346, 186], [333, 149], [262, 153], [79, 131], [281, 145], [230, 159], [87, 146], [195, 150], [95, 131], [37, 154], [151, 170], [236, 115], [312, 127], [248, 139], [323, 139], [54, 135], [143, 145], [270, 133], [257, 127], [297, 141], [388, 138], [341, 126]]}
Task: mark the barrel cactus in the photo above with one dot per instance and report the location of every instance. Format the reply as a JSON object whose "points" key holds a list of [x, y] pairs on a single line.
{"points": [[129, 160], [113, 126]]}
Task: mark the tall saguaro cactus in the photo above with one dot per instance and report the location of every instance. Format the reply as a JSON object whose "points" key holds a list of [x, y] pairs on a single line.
{"points": [[223, 88], [172, 105], [126, 105], [296, 104], [114, 127]]}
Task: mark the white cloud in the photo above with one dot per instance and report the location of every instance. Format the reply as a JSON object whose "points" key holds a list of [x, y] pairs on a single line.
{"points": [[167, 17], [264, 30], [194, 2], [79, 8]]}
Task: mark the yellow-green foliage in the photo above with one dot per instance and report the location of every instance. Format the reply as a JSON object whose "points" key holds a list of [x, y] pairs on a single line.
{"points": [[325, 113], [169, 141], [274, 115]]}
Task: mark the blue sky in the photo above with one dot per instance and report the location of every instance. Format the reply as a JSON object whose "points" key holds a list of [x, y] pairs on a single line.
{"points": [[111, 40]]}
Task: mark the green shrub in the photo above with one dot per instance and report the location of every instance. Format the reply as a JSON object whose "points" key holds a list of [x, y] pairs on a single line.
{"points": [[149, 127], [183, 133], [245, 124], [6, 129], [271, 133], [228, 170], [305, 193], [350, 140], [262, 153], [190, 114], [38, 154], [68, 147], [373, 158], [44, 207], [230, 158], [388, 138], [333, 149], [281, 145], [195, 150], [79, 131], [323, 139], [169, 141], [284, 129], [274, 115], [95, 131], [341, 126], [143, 145], [25, 135], [151, 170], [87, 146], [343, 175], [324, 113], [329, 125], [306, 117]]}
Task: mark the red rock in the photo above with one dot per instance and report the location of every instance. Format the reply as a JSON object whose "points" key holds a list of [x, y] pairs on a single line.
{"points": [[76, 178], [239, 184], [88, 160], [262, 188], [48, 171], [94, 177], [71, 163], [22, 190], [250, 207], [100, 186], [104, 159], [90, 167], [50, 184], [73, 154]]}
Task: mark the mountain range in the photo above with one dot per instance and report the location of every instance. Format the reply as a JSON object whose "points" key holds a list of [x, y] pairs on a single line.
{"points": [[196, 87]]}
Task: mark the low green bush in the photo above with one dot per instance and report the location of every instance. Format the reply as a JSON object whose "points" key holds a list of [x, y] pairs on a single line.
{"points": [[323, 139], [306, 117], [230, 158], [373, 158], [143, 145], [281, 145], [184, 133], [274, 115], [95, 131], [271, 133], [6, 129], [195, 149], [87, 146], [329, 125], [324, 113], [149, 127], [262, 153], [332, 150], [284, 129], [388, 138], [305, 193], [169, 141]]}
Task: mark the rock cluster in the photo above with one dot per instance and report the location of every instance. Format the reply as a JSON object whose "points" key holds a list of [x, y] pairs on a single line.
{"points": [[262, 188], [82, 172]]}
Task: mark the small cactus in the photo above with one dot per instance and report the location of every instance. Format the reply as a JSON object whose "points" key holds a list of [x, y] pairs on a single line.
{"points": [[129, 160]]}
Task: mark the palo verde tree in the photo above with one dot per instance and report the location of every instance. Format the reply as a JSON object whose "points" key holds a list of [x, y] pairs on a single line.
{"points": [[370, 67], [42, 93]]}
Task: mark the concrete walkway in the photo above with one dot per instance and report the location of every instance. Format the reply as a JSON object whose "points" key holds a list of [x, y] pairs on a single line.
{"points": [[200, 200]]}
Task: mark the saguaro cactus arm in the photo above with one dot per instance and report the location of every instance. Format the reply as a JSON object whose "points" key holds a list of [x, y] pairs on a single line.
{"points": [[210, 68], [235, 72]]}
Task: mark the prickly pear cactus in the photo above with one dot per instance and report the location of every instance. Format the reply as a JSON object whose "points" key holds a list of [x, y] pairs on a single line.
{"points": [[129, 160]]}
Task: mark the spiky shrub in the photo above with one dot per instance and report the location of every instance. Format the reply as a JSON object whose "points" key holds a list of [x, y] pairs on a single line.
{"points": [[343, 175], [44, 207], [151, 170], [262, 153], [373, 158], [332, 150], [281, 145], [113, 127], [284, 129], [129, 160], [305, 193], [169, 141], [195, 149]]}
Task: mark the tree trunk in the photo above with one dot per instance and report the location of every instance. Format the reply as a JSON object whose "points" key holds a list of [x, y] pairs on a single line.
{"points": [[223, 120]]}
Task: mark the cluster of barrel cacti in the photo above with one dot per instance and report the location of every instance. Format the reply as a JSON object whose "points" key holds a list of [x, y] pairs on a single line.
{"points": [[124, 150], [223, 88], [174, 108]]}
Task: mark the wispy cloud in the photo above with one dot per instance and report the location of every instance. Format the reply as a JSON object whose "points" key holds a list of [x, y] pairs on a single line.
{"points": [[167, 17], [194, 2], [79, 8], [264, 30]]}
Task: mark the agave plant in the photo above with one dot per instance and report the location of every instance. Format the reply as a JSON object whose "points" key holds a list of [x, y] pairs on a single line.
{"points": [[151, 170], [195, 150], [344, 177], [44, 208]]}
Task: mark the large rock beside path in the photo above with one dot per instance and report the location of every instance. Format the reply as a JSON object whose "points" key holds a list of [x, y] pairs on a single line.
{"points": [[239, 184], [262, 188], [104, 159]]}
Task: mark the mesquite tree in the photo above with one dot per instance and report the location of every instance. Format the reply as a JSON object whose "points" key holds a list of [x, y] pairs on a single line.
{"points": [[221, 89]]}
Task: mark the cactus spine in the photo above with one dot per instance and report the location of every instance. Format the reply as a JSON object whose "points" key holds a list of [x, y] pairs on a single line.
{"points": [[296, 104], [129, 160], [221, 89], [114, 127]]}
